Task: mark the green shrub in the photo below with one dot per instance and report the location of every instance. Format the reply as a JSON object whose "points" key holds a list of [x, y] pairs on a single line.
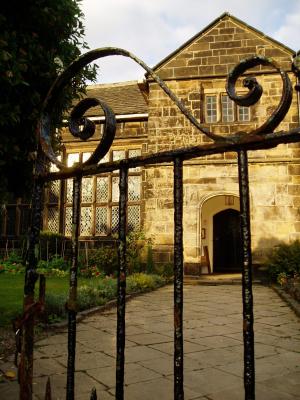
{"points": [[165, 270], [56, 266], [284, 259], [140, 282], [104, 259], [55, 306], [50, 244]]}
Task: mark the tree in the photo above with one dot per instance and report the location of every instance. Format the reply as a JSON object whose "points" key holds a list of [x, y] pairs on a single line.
{"points": [[38, 38]]}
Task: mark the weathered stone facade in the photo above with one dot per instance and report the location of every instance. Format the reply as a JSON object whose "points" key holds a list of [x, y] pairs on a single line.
{"points": [[197, 70], [149, 122]]}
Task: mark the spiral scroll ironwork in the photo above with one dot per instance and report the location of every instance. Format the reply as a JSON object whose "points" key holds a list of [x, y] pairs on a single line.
{"points": [[88, 128], [255, 91]]}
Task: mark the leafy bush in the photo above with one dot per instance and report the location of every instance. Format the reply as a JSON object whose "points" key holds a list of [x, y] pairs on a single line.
{"points": [[56, 267], [104, 259], [13, 264], [284, 261], [140, 282], [97, 293], [165, 270], [50, 244]]}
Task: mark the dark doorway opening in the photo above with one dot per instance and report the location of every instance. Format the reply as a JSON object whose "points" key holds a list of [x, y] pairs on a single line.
{"points": [[227, 241]]}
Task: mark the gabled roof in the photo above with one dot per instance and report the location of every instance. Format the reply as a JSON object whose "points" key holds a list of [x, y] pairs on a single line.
{"points": [[208, 27], [123, 98]]}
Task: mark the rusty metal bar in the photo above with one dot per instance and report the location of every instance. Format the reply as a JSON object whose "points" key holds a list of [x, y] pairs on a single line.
{"points": [[246, 142], [72, 302], [31, 276], [248, 333], [178, 281], [123, 185]]}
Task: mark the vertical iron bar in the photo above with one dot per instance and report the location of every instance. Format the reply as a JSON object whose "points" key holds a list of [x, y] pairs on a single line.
{"points": [[123, 184], [72, 302], [26, 362], [178, 281], [249, 370]]}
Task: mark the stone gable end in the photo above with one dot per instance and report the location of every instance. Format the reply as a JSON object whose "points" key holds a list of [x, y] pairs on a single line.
{"points": [[220, 47]]}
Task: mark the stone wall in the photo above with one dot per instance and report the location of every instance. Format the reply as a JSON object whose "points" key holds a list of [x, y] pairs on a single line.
{"points": [[196, 70]]}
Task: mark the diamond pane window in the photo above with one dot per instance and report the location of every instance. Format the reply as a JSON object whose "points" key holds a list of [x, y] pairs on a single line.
{"points": [[211, 108], [118, 155], [133, 219], [87, 190], [54, 191], [227, 109], [86, 221], [104, 159], [114, 219], [53, 219], [101, 220], [102, 189], [134, 188], [72, 159], [69, 191], [115, 188], [134, 153], [68, 221]]}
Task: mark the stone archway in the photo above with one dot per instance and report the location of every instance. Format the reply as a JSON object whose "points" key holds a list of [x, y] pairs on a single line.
{"points": [[212, 205]]}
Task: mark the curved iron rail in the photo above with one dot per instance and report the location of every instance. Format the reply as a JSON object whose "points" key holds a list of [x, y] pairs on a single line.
{"points": [[77, 116], [83, 128]]}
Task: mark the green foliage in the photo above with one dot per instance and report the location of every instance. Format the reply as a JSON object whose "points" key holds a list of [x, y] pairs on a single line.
{"points": [[140, 282], [284, 259], [50, 244], [37, 41], [12, 264], [165, 270], [103, 260]]}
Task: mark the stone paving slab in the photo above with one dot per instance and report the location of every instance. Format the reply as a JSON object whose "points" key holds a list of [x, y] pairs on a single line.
{"points": [[213, 349]]}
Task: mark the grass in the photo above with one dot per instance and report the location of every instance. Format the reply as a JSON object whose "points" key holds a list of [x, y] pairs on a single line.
{"points": [[91, 292], [11, 293]]}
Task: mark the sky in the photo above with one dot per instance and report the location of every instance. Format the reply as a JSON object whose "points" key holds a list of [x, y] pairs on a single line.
{"points": [[152, 29]]}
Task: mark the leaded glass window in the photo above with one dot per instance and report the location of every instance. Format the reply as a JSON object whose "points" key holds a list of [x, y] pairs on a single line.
{"points": [[114, 219], [118, 155], [133, 218], [99, 213], [101, 221], [53, 219], [54, 191], [86, 221], [134, 187], [69, 191], [102, 189], [87, 190], [68, 221], [115, 189]]}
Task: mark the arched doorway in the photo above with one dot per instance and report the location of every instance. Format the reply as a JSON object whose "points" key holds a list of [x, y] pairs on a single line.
{"points": [[226, 241]]}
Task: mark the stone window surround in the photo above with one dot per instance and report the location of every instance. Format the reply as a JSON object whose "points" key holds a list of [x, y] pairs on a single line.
{"points": [[240, 114], [110, 204]]}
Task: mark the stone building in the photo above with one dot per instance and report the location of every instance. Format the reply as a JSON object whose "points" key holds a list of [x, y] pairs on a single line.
{"points": [[148, 122]]}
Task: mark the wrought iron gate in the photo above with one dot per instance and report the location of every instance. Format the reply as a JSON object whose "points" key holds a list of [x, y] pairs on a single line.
{"points": [[261, 138]]}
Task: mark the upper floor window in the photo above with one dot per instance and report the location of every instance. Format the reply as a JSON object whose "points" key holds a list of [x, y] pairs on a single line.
{"points": [[221, 108], [211, 108]]}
